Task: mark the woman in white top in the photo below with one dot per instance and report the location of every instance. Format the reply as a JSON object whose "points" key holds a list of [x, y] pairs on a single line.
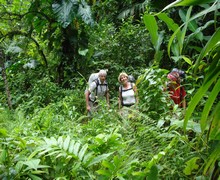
{"points": [[127, 91]]}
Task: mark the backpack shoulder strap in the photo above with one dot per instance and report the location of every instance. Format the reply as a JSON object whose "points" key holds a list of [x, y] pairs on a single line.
{"points": [[96, 81], [120, 90]]}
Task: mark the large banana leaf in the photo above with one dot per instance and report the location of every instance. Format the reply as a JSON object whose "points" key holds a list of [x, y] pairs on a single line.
{"points": [[214, 40], [211, 77], [151, 25], [191, 25], [67, 10], [213, 8], [156, 37]]}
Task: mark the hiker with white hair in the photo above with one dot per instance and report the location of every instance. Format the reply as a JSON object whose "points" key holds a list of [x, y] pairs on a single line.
{"points": [[97, 90]]}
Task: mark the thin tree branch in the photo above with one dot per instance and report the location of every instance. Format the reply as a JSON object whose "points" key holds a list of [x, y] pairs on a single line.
{"points": [[14, 33]]}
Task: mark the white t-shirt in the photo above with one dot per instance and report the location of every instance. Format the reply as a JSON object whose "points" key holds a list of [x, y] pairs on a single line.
{"points": [[128, 95], [101, 90]]}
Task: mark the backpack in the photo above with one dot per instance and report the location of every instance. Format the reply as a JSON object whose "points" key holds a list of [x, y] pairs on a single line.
{"points": [[180, 72], [131, 78], [94, 78]]}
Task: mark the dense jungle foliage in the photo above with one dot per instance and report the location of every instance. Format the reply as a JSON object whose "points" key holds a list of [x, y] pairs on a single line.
{"points": [[48, 49]]}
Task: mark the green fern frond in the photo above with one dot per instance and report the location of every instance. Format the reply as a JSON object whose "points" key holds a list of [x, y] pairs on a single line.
{"points": [[69, 149]]}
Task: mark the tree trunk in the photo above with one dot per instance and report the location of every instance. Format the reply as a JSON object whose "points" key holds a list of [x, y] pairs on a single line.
{"points": [[3, 73]]}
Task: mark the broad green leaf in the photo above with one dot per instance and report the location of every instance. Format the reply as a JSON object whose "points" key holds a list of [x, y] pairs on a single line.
{"points": [[199, 31], [186, 59], [171, 41], [3, 156], [196, 98], [99, 158], [191, 25], [214, 7], [152, 27], [170, 24], [208, 105], [32, 164], [208, 47], [34, 177], [116, 161], [169, 21], [85, 13], [19, 166], [191, 165], [3, 132], [104, 172], [83, 52], [65, 11], [153, 174], [108, 165]]}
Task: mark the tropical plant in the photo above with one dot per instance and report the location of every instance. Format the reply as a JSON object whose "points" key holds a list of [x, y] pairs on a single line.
{"points": [[211, 80]]}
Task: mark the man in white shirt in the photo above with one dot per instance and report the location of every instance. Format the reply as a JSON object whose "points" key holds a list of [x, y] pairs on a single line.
{"points": [[98, 90]]}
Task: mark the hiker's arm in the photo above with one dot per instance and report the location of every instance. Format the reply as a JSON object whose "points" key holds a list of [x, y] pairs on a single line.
{"points": [[136, 93], [87, 93], [119, 99]]}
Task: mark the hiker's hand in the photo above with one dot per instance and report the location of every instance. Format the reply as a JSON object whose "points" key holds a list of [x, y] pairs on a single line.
{"points": [[88, 108]]}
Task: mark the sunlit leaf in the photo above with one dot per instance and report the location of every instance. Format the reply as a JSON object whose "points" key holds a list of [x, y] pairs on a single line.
{"points": [[108, 165], [99, 159], [32, 164], [82, 151], [152, 27], [191, 165], [186, 59], [187, 3], [3, 132], [76, 148], [66, 143]]}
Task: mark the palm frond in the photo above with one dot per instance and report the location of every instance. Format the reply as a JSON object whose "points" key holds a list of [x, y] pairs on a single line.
{"points": [[84, 12], [136, 8], [65, 11], [68, 148]]}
